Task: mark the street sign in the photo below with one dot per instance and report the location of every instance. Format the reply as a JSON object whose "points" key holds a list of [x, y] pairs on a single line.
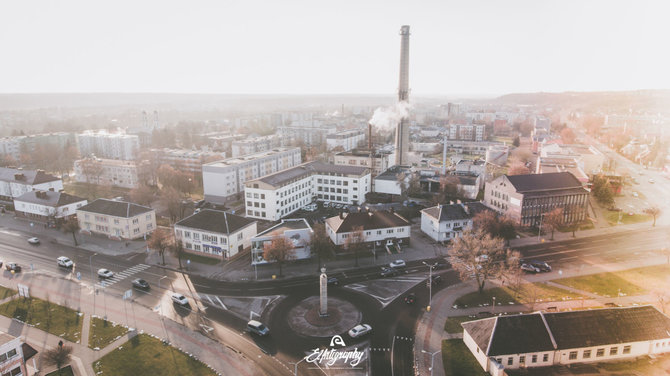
{"points": [[127, 294], [24, 291], [79, 276]]}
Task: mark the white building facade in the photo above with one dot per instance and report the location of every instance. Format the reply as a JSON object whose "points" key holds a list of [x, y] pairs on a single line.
{"points": [[116, 219], [16, 182], [46, 206], [377, 228], [111, 172], [215, 233], [108, 145], [347, 140]]}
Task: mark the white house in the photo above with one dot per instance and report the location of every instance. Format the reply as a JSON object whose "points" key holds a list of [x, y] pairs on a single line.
{"points": [[215, 233], [546, 339], [446, 222], [15, 182], [282, 193], [44, 206], [116, 219], [387, 182], [469, 185], [14, 353], [297, 231], [382, 228]]}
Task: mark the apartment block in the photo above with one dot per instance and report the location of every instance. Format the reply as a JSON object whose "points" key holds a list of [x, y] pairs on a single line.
{"points": [[112, 172], [345, 140], [108, 145]]}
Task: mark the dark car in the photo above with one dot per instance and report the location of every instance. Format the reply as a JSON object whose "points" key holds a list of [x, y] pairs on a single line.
{"points": [[141, 284], [333, 281], [541, 265], [13, 267], [410, 299], [388, 272], [436, 279]]}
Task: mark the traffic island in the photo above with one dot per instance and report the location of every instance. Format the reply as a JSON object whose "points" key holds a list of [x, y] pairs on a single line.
{"points": [[305, 319]]}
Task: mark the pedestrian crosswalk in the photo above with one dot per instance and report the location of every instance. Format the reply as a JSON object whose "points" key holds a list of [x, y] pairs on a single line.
{"points": [[122, 275]]}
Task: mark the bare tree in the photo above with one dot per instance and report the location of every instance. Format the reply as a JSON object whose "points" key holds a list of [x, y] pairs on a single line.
{"points": [[279, 251], [160, 241], [653, 211], [58, 356], [518, 168], [71, 226], [553, 220], [142, 195], [320, 243], [494, 225], [476, 255], [170, 198], [355, 242], [568, 136], [177, 249]]}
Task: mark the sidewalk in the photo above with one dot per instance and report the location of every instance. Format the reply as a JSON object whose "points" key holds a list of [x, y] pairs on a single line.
{"points": [[430, 328]]}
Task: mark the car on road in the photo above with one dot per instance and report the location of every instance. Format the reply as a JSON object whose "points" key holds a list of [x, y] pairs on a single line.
{"points": [[13, 267], [64, 262], [359, 330], [179, 299], [140, 284], [541, 265], [388, 272], [257, 327], [333, 281], [410, 299], [528, 268], [33, 240], [105, 273], [635, 194], [652, 181], [398, 264]]}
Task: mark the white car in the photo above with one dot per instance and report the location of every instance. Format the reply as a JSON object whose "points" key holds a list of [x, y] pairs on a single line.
{"points": [[105, 273], [179, 298], [64, 262], [360, 330], [34, 241], [398, 264], [635, 194]]}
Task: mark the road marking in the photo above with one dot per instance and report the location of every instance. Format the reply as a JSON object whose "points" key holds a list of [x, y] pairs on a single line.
{"points": [[123, 275], [210, 299], [220, 302]]}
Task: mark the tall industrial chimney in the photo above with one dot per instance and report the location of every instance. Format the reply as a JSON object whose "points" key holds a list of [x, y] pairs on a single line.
{"points": [[402, 129]]}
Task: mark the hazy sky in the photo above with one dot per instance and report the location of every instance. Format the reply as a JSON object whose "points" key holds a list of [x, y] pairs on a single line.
{"points": [[342, 46]]}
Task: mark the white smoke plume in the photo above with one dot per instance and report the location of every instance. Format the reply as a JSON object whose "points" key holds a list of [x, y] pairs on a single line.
{"points": [[386, 118]]}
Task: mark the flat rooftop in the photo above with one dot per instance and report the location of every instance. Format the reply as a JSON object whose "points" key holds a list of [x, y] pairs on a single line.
{"points": [[310, 168], [250, 157]]}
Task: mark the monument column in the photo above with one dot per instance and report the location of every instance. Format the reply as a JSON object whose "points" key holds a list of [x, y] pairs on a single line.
{"points": [[323, 281]]}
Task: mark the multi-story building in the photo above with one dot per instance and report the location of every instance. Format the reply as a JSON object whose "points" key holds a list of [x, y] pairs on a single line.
{"points": [[497, 154], [186, 160], [13, 356], [224, 180], [47, 206], [15, 182], [215, 233], [116, 219], [282, 193], [111, 172], [312, 133], [377, 161], [297, 231], [255, 145], [15, 146], [544, 339], [346, 140], [108, 145], [446, 222], [382, 228], [467, 132], [527, 198]]}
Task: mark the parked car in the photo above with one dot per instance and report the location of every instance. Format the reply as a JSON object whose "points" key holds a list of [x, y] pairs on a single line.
{"points": [[179, 299], [410, 299], [13, 267], [256, 327], [398, 264], [529, 268], [310, 207], [635, 194], [652, 181], [360, 330], [541, 265], [333, 281], [33, 240], [105, 273], [140, 284], [64, 262], [388, 272]]}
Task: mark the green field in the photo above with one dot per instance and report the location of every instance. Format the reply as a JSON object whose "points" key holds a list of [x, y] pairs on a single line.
{"points": [[50, 317], [453, 324], [613, 218], [5, 292], [146, 355], [65, 371], [527, 293], [104, 332], [629, 282], [458, 360]]}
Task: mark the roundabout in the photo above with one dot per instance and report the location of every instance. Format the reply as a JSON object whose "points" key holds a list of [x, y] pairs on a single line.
{"points": [[304, 319]]}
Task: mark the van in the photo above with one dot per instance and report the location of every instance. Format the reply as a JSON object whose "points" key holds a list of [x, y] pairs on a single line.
{"points": [[256, 327]]}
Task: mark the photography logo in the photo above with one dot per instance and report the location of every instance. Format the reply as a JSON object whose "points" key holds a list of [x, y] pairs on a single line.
{"points": [[332, 355]]}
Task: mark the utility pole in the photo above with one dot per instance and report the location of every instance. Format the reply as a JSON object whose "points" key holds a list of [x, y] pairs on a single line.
{"points": [[430, 284]]}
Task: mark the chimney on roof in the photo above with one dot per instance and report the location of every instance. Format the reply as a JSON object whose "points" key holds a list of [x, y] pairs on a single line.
{"points": [[341, 215], [466, 209], [19, 176], [52, 189]]}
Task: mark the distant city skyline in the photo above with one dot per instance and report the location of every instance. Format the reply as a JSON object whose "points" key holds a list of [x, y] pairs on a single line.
{"points": [[338, 47]]}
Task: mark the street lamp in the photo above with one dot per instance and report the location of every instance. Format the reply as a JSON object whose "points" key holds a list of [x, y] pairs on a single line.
{"points": [[493, 311], [539, 233], [90, 263], [430, 284], [432, 359], [159, 281]]}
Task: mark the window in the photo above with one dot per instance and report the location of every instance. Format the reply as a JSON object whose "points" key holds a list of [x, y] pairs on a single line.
{"points": [[586, 354], [534, 358], [196, 236], [510, 360], [240, 236], [248, 195], [600, 352], [614, 350], [573, 355], [249, 203], [187, 234], [148, 217], [197, 247], [522, 359], [545, 357], [116, 221], [263, 195], [250, 212], [626, 349], [255, 195], [136, 231]]}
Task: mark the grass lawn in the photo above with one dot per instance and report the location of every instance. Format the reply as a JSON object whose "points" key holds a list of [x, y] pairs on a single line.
{"points": [[629, 282], [65, 371], [613, 217], [5, 292], [145, 355], [91, 192], [104, 332], [458, 360], [528, 293], [50, 317], [453, 323], [199, 259]]}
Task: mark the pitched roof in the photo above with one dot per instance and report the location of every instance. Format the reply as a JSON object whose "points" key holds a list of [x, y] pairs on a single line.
{"points": [[49, 198], [215, 221], [30, 177], [518, 334], [455, 212], [115, 208], [539, 182], [368, 220]]}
